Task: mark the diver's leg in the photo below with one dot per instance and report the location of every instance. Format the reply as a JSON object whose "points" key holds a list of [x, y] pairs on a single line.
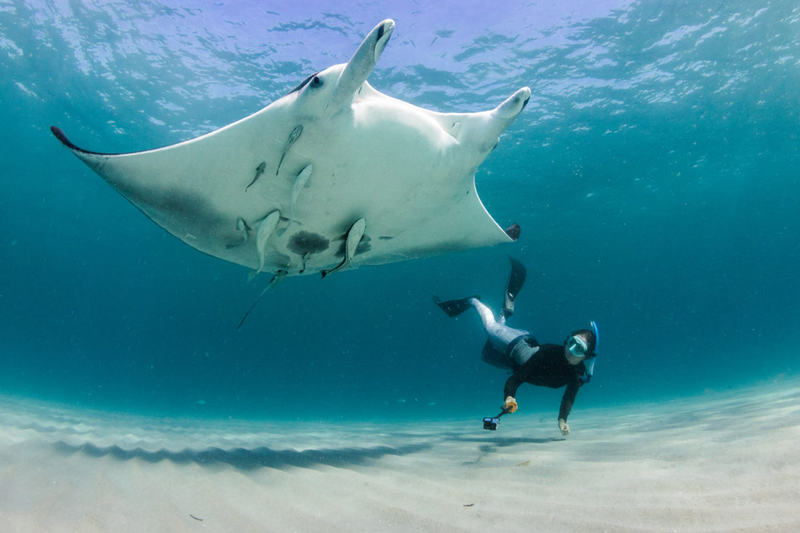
{"points": [[499, 334], [522, 352]]}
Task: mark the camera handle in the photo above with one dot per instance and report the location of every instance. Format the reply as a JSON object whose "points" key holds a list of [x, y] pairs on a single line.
{"points": [[491, 423]]}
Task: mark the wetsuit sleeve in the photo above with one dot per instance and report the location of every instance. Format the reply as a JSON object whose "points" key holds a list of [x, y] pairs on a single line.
{"points": [[512, 384], [568, 399]]}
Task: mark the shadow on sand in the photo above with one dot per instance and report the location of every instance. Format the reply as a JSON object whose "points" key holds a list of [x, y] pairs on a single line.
{"points": [[495, 445], [249, 459]]}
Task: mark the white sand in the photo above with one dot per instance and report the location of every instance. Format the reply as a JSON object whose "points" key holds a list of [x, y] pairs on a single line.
{"points": [[721, 462]]}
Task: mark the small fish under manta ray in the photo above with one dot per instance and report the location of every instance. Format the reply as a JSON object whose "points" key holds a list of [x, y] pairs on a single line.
{"points": [[332, 176]]}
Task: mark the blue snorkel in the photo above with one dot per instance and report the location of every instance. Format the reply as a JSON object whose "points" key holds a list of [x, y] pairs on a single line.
{"points": [[589, 362]]}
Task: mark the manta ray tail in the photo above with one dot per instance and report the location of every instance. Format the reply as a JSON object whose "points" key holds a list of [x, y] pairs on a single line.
{"points": [[277, 278]]}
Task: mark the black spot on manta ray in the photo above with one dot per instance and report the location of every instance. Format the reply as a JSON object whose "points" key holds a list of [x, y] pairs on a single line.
{"points": [[385, 238], [305, 242]]}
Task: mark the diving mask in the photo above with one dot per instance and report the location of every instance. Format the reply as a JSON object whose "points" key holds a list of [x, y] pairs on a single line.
{"points": [[577, 346]]}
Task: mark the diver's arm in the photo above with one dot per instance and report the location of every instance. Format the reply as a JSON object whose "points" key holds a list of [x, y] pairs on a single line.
{"points": [[566, 406], [510, 390], [567, 400], [512, 384]]}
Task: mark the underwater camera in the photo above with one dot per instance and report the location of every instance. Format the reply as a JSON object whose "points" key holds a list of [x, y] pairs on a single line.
{"points": [[491, 423]]}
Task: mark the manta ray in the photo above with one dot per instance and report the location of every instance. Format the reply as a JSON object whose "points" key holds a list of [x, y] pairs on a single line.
{"points": [[332, 176]]}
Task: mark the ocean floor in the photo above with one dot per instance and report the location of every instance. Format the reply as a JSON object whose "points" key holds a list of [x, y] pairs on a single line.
{"points": [[718, 462]]}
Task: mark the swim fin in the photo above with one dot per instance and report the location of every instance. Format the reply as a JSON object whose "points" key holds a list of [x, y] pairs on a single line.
{"points": [[454, 307], [513, 231], [516, 279]]}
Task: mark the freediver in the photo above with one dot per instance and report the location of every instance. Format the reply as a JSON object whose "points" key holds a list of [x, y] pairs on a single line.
{"points": [[570, 364]]}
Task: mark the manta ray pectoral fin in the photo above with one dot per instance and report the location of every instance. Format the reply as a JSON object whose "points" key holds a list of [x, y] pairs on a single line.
{"points": [[296, 132], [61, 136], [361, 64], [354, 235], [277, 278], [241, 227]]}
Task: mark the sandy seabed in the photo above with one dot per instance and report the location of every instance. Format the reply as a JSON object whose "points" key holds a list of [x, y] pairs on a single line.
{"points": [[719, 462]]}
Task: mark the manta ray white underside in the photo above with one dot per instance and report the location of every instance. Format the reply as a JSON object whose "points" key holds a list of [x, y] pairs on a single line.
{"points": [[333, 175]]}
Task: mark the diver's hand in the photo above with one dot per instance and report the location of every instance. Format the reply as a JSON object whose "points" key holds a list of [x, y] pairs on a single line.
{"points": [[511, 405], [563, 426]]}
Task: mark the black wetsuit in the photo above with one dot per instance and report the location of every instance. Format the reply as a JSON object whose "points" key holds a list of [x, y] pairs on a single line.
{"points": [[548, 367]]}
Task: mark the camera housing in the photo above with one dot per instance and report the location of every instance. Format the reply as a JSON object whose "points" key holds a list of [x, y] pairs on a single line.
{"points": [[491, 423]]}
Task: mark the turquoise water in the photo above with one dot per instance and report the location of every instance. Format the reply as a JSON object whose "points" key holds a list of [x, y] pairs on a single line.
{"points": [[654, 174]]}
